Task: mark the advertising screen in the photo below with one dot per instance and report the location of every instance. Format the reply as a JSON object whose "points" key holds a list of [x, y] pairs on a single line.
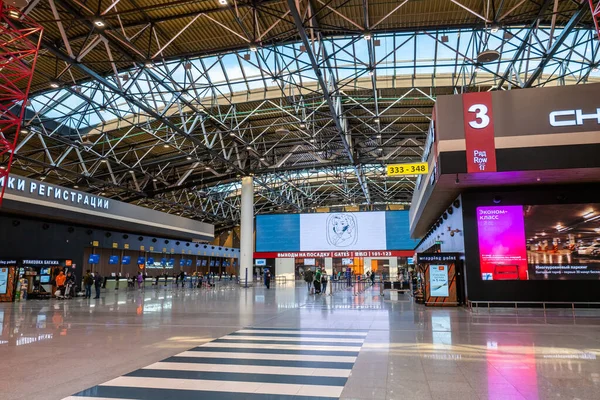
{"points": [[438, 280], [141, 260], [188, 262], [346, 261], [342, 231], [150, 261], [94, 259], [126, 260], [310, 261], [44, 279], [204, 263], [113, 260], [3, 280], [260, 262], [539, 242]]}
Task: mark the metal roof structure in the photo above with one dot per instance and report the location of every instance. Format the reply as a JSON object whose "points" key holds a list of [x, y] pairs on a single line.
{"points": [[166, 103]]}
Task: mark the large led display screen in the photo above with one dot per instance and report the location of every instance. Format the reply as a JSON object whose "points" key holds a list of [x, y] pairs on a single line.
{"points": [[377, 230], [539, 242]]}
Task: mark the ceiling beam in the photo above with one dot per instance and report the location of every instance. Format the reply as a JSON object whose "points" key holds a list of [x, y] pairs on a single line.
{"points": [[547, 57], [326, 95]]}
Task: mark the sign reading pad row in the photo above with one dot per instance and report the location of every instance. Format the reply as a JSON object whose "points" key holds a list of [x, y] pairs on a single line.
{"points": [[421, 168]]}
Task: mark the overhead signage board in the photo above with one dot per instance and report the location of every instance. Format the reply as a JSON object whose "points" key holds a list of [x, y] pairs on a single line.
{"points": [[479, 132], [421, 168], [55, 194]]}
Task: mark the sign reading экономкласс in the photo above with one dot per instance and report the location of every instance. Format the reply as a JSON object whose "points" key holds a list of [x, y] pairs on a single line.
{"points": [[56, 194]]}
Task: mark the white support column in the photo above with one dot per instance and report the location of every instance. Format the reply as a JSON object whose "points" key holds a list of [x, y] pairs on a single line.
{"points": [[329, 266], [247, 228]]}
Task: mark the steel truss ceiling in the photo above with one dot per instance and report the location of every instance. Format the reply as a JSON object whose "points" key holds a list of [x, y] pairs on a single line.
{"points": [[312, 99]]}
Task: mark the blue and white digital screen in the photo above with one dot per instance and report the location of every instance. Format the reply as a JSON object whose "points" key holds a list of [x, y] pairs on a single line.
{"points": [[94, 258], [126, 260], [112, 260], [377, 230]]}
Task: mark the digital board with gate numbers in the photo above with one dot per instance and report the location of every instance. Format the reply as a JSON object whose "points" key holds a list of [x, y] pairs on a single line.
{"points": [[408, 169]]}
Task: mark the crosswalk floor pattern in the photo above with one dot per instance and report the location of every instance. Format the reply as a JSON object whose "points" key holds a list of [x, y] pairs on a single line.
{"points": [[250, 364]]}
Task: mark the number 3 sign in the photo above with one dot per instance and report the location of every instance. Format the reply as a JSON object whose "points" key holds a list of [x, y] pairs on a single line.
{"points": [[479, 132]]}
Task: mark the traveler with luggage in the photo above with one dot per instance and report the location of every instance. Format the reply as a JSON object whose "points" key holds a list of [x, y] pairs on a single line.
{"points": [[61, 278]]}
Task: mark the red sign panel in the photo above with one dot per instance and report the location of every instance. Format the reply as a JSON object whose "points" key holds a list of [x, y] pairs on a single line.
{"points": [[479, 132], [335, 254]]}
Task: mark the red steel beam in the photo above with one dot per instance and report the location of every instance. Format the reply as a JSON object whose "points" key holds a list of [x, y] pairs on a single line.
{"points": [[20, 39]]}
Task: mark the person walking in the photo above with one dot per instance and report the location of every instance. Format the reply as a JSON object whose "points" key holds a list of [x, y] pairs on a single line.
{"points": [[97, 284], [140, 280], [372, 278], [308, 278], [324, 281], [317, 281], [70, 283], [88, 281], [268, 279], [61, 278]]}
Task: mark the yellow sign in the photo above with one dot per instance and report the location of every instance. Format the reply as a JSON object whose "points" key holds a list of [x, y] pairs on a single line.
{"points": [[115, 245], [421, 168], [164, 250], [151, 248], [95, 243], [142, 248], [126, 245]]}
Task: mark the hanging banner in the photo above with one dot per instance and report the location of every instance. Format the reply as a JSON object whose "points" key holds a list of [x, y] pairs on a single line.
{"points": [[479, 132]]}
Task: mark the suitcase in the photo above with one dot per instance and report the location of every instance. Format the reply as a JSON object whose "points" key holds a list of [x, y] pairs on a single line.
{"points": [[317, 287]]}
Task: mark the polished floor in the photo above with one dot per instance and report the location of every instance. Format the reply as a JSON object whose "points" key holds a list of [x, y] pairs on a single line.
{"points": [[235, 343]]}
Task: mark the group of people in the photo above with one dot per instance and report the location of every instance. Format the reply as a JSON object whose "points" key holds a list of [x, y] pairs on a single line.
{"points": [[316, 281], [69, 282]]}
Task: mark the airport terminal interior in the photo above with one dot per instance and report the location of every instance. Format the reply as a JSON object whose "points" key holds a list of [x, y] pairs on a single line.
{"points": [[299, 199]]}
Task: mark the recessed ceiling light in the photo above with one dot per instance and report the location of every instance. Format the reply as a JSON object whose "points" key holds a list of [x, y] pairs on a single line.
{"points": [[166, 146], [24, 131], [262, 159], [376, 120], [54, 84], [248, 148], [223, 2], [99, 23], [102, 194], [149, 64], [312, 140], [302, 125], [207, 168], [231, 134], [42, 178], [371, 72], [154, 180], [15, 14], [378, 136], [103, 161], [367, 35], [253, 48], [188, 158]]}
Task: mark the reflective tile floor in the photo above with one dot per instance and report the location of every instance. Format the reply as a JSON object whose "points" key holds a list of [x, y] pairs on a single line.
{"points": [[232, 343]]}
